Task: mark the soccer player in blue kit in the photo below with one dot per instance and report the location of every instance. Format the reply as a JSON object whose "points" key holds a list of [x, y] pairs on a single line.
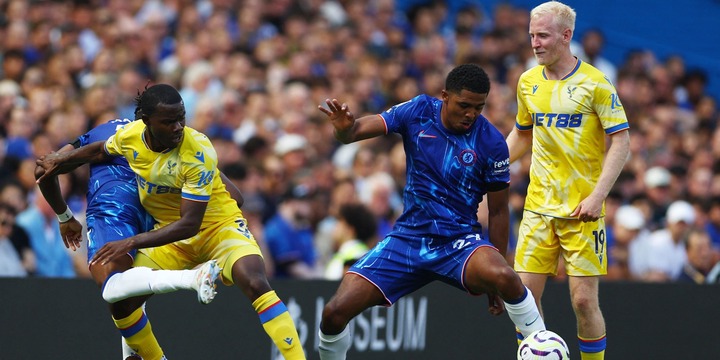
{"points": [[454, 157], [113, 213]]}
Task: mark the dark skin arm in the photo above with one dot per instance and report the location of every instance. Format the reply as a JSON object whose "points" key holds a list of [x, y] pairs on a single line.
{"points": [[499, 219], [235, 193], [347, 129], [191, 216], [71, 230], [62, 162], [498, 232], [191, 212]]}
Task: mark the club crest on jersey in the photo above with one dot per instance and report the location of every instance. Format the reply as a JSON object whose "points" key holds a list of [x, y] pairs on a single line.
{"points": [[571, 91], [171, 167], [468, 157]]}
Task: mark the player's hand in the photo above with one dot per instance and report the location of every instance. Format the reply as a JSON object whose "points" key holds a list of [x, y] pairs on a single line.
{"points": [[112, 251], [340, 116], [71, 232], [496, 306], [50, 163], [588, 210]]}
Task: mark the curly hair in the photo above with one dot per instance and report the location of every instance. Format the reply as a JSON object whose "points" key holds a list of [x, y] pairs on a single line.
{"points": [[469, 77], [147, 101]]}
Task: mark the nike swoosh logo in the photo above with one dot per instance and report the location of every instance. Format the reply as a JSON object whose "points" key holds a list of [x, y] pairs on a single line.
{"points": [[422, 134], [532, 322]]}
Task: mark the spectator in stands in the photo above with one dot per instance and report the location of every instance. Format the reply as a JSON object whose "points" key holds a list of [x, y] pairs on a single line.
{"points": [[342, 194], [628, 228], [662, 255], [10, 260], [354, 235], [14, 195], [712, 225], [380, 195], [289, 236], [53, 259], [593, 42], [292, 149], [700, 258], [657, 187]]}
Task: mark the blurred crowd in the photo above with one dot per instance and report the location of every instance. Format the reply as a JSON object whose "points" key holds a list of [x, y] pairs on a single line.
{"points": [[252, 73]]}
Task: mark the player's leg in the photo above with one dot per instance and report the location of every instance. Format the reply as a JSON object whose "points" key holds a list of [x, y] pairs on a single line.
{"points": [[392, 269], [590, 321], [536, 255], [144, 280], [248, 273], [487, 271], [354, 295], [233, 246], [128, 314], [585, 258], [536, 284]]}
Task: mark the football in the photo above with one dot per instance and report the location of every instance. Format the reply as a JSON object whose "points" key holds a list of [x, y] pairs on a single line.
{"points": [[543, 345]]}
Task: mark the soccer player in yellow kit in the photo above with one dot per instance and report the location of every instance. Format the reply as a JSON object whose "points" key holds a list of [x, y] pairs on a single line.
{"points": [[197, 220], [566, 108]]}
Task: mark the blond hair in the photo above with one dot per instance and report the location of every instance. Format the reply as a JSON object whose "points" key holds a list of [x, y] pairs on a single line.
{"points": [[564, 16]]}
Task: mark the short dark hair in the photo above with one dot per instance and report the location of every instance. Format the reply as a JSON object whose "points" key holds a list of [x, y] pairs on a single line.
{"points": [[359, 217], [469, 77], [147, 101]]}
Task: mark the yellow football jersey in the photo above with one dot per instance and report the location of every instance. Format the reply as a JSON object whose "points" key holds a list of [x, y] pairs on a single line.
{"points": [[188, 171], [569, 119]]}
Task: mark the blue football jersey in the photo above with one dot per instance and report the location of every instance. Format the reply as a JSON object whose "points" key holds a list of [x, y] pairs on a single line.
{"points": [[113, 209], [106, 175], [447, 173]]}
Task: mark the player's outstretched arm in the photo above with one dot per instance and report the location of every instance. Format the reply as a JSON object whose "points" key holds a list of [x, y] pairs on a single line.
{"points": [[70, 228], [60, 162], [347, 128]]}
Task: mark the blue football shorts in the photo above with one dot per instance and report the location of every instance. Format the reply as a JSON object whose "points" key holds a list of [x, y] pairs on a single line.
{"points": [[399, 266], [107, 226]]}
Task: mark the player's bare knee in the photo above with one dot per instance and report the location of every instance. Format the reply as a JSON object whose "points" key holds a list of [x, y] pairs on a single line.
{"points": [[333, 319], [508, 283], [254, 286], [584, 303]]}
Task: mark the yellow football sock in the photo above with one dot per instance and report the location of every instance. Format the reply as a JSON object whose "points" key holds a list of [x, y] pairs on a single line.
{"points": [[138, 334], [592, 348], [278, 324]]}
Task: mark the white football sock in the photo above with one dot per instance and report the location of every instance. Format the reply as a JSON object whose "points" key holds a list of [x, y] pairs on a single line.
{"points": [[126, 349], [525, 315], [334, 347], [144, 281]]}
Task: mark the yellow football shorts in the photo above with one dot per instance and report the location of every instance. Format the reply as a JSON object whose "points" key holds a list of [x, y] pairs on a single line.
{"points": [[543, 239], [225, 242]]}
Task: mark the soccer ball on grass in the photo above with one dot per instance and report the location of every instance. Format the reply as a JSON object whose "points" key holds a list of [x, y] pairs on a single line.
{"points": [[543, 345]]}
